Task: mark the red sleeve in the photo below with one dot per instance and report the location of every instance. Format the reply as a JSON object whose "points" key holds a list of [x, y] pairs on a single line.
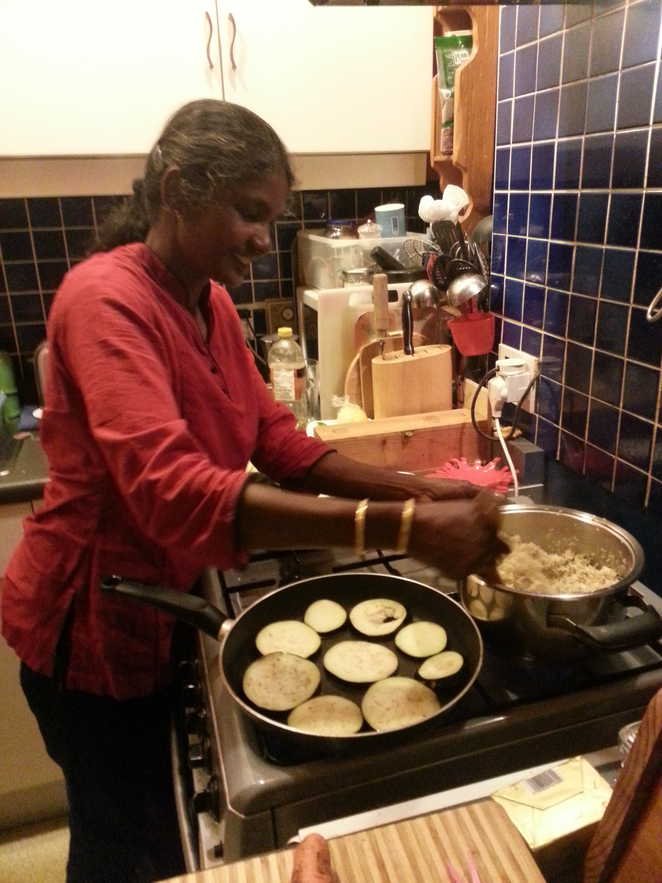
{"points": [[282, 451], [119, 361]]}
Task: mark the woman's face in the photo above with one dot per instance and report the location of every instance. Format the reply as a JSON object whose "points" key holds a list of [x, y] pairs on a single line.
{"points": [[221, 240]]}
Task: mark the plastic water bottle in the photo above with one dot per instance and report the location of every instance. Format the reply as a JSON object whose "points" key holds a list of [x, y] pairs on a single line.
{"points": [[287, 369]]}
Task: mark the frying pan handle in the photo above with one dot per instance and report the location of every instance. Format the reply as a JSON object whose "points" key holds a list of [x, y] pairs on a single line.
{"points": [[631, 632], [407, 324], [187, 608]]}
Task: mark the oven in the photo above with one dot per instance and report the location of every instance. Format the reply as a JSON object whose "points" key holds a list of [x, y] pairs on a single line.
{"points": [[241, 791]]}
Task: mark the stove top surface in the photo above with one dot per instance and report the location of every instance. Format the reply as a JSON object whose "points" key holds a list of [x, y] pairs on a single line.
{"points": [[518, 712]]}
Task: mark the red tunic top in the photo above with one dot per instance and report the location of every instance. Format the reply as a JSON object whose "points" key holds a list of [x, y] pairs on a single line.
{"points": [[148, 430]]}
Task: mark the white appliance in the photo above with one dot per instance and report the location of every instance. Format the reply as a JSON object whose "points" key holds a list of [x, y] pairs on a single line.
{"points": [[327, 322]]}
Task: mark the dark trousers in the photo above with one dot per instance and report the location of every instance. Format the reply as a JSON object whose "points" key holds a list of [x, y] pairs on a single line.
{"points": [[116, 764]]}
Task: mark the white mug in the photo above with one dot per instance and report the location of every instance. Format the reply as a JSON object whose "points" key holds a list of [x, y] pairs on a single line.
{"points": [[391, 219]]}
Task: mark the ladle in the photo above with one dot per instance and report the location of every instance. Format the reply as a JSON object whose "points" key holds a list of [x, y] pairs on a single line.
{"points": [[422, 294], [464, 287]]}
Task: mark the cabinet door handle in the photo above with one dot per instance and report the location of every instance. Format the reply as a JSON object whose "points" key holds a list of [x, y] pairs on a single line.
{"points": [[234, 37], [211, 33]]}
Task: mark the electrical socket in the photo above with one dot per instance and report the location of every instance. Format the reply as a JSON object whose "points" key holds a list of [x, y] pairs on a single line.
{"points": [[532, 364]]}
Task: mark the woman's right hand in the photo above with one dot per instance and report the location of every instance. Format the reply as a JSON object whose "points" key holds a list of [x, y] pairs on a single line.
{"points": [[459, 536]]}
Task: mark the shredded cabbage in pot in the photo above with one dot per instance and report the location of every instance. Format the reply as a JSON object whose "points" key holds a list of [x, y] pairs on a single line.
{"points": [[528, 567]]}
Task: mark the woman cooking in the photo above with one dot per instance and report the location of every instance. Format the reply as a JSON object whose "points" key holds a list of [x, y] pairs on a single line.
{"points": [[154, 407]]}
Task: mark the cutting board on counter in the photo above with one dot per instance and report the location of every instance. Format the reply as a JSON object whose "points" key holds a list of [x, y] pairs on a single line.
{"points": [[418, 850], [416, 443]]}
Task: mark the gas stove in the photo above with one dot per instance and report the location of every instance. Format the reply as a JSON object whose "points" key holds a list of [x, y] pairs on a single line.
{"points": [[242, 792]]}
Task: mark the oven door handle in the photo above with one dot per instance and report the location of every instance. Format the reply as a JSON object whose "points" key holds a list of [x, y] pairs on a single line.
{"points": [[187, 834]]}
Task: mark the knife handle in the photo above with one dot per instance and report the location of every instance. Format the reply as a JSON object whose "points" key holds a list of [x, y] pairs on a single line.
{"points": [[380, 303], [407, 324]]}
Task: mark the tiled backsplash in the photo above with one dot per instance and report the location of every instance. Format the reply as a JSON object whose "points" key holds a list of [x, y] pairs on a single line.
{"points": [[577, 245], [41, 238]]}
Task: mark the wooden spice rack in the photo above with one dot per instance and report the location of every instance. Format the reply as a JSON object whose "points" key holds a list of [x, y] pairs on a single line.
{"points": [[471, 164]]}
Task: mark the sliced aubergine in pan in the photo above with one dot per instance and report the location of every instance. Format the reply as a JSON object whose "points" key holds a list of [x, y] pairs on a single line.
{"points": [[360, 662], [325, 616], [288, 636], [377, 616], [327, 716], [420, 639], [441, 667], [280, 681], [398, 702]]}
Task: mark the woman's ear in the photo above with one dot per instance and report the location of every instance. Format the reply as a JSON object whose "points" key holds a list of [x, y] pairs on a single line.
{"points": [[171, 190]]}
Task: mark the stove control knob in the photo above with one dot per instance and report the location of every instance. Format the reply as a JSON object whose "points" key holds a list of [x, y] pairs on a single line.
{"points": [[196, 722], [191, 694], [208, 800], [198, 753]]}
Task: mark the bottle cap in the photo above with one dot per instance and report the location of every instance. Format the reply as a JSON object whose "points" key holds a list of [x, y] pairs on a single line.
{"points": [[285, 331]]}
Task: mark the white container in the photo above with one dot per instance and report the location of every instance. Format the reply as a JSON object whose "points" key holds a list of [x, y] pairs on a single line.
{"points": [[391, 219], [287, 370], [321, 260]]}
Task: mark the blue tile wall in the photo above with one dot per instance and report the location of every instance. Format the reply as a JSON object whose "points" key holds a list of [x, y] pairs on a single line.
{"points": [[41, 238], [577, 246]]}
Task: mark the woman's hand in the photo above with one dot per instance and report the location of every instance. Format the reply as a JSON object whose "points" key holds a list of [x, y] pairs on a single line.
{"points": [[443, 489], [458, 536], [312, 861]]}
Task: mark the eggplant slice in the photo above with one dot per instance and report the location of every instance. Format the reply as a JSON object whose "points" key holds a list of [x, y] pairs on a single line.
{"points": [[325, 616], [327, 716], [376, 617], [421, 639], [288, 636], [360, 662], [280, 681], [398, 702]]}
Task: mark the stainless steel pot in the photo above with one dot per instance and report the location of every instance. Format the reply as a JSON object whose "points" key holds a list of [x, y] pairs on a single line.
{"points": [[564, 625]]}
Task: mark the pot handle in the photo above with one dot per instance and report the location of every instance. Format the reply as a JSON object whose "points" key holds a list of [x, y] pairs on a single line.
{"points": [[631, 632], [188, 608]]}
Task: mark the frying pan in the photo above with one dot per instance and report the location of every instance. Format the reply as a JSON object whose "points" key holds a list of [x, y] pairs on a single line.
{"points": [[237, 640]]}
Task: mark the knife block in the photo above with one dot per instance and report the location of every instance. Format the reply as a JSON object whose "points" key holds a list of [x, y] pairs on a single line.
{"points": [[415, 384]]}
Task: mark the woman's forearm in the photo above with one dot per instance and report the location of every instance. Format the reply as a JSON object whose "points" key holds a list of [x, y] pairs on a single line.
{"points": [[340, 476], [268, 517]]}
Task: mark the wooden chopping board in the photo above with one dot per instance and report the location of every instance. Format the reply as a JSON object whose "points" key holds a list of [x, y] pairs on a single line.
{"points": [[415, 850]]}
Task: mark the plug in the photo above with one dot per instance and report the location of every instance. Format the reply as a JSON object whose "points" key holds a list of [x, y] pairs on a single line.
{"points": [[516, 376], [497, 395]]}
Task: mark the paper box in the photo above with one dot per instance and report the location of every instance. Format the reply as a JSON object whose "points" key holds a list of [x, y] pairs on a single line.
{"points": [[555, 803]]}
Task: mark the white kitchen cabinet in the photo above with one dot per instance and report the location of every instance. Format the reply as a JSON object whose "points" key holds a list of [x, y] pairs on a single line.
{"points": [[81, 77], [85, 78], [331, 79]]}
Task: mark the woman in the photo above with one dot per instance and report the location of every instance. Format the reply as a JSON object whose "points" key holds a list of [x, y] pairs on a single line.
{"points": [[153, 408]]}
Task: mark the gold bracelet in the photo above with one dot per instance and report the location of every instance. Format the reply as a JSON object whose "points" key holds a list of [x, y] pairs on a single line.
{"points": [[359, 527], [406, 519]]}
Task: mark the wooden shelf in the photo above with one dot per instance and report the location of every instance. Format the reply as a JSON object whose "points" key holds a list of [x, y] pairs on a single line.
{"points": [[471, 164]]}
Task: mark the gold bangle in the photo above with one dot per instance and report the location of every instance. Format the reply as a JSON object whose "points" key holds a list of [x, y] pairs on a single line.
{"points": [[359, 527], [406, 519]]}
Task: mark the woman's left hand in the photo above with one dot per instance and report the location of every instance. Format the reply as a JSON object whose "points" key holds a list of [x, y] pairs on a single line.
{"points": [[443, 489]]}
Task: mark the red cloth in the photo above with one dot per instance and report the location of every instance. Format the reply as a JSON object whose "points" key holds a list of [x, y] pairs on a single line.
{"points": [[148, 430]]}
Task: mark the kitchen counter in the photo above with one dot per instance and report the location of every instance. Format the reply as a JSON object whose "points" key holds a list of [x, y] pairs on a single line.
{"points": [[28, 474], [562, 487]]}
